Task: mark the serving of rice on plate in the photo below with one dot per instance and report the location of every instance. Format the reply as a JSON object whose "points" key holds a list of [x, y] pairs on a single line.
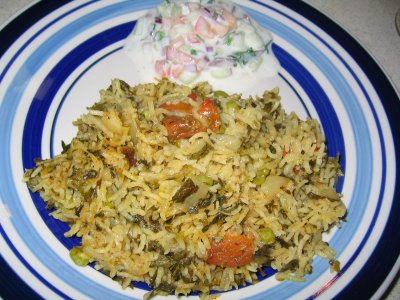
{"points": [[192, 190]]}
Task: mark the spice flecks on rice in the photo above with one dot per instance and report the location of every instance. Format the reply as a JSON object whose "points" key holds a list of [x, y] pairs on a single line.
{"points": [[237, 186]]}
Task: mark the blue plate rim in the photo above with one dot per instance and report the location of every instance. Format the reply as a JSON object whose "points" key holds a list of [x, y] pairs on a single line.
{"points": [[370, 278]]}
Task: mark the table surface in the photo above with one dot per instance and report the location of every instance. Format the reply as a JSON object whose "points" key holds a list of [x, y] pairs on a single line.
{"points": [[371, 22]]}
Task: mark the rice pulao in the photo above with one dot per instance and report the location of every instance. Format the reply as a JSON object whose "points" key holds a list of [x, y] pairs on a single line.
{"points": [[190, 189]]}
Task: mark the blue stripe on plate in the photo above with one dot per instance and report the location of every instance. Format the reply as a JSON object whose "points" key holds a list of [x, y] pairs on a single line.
{"points": [[32, 270], [17, 289], [12, 31]]}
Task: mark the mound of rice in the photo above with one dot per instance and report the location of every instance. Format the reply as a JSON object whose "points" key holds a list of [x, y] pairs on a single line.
{"points": [[264, 176]]}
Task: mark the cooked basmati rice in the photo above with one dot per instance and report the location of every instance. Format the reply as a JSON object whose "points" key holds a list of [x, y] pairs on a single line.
{"points": [[116, 182]]}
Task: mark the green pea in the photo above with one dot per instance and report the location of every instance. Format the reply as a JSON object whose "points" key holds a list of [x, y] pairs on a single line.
{"points": [[261, 175], [220, 94], [79, 257], [232, 106], [267, 235], [147, 115]]}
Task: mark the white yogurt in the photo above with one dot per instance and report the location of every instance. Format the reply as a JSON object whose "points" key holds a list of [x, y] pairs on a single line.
{"points": [[201, 40]]}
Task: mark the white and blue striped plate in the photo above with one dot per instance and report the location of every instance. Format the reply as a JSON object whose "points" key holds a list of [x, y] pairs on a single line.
{"points": [[57, 55]]}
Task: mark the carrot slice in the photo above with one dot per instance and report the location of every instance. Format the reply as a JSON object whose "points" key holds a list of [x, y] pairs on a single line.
{"points": [[231, 251], [182, 127], [209, 111]]}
